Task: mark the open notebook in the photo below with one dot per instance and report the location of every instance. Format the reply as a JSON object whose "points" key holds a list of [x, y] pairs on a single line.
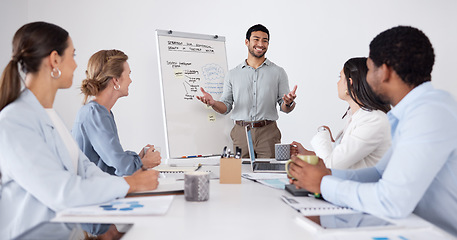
{"points": [[309, 206]]}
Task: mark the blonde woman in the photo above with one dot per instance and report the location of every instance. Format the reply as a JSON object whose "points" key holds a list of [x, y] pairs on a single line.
{"points": [[95, 131]]}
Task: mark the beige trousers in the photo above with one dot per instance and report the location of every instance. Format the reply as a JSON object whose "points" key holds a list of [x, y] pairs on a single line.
{"points": [[264, 139]]}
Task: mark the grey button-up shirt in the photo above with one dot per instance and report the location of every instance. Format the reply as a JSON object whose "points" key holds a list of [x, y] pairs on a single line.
{"points": [[255, 92]]}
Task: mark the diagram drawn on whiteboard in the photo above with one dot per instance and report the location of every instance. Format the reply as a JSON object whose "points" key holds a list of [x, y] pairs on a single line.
{"points": [[213, 77], [188, 62]]}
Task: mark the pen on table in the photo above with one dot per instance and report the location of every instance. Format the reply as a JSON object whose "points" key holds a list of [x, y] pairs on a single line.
{"points": [[199, 166]]}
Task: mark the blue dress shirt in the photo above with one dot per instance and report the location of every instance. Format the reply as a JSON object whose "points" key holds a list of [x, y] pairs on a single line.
{"points": [[96, 134], [38, 176], [418, 173]]}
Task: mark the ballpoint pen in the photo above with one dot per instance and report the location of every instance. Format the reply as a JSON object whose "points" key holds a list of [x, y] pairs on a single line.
{"points": [[199, 166]]}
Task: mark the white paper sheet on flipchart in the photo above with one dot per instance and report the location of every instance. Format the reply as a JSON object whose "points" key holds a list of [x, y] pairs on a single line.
{"points": [[156, 205], [309, 206]]}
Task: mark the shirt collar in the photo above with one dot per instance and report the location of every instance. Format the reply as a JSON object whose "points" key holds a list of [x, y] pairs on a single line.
{"points": [[31, 99], [400, 109], [266, 62]]}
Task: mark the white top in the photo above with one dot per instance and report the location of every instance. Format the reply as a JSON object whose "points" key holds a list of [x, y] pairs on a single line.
{"points": [[68, 140], [365, 139]]}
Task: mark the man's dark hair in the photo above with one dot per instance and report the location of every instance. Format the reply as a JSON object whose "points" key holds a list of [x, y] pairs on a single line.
{"points": [[407, 50], [255, 28]]}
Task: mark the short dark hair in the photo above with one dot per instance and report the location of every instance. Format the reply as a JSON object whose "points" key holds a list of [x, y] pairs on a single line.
{"points": [[359, 90], [255, 28], [407, 50]]}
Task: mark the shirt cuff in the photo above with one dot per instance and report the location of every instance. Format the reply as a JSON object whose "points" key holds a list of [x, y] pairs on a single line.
{"points": [[123, 186], [229, 108], [329, 186], [136, 159], [339, 173]]}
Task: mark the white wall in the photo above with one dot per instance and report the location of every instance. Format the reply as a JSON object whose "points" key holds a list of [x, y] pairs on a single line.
{"points": [[310, 39]]}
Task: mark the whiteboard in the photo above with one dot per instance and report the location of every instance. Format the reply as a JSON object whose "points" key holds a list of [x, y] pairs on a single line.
{"points": [[187, 62]]}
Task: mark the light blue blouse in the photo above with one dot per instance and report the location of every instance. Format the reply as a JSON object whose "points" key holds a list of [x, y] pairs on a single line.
{"points": [[96, 134], [418, 173], [38, 177]]}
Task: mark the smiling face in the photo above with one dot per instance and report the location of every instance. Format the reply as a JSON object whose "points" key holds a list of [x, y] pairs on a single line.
{"points": [[257, 44]]}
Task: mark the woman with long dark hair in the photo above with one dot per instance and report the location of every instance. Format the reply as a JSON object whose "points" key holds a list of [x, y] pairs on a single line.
{"points": [[366, 136]]}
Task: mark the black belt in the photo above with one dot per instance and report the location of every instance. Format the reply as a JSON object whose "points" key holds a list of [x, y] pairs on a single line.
{"points": [[257, 124]]}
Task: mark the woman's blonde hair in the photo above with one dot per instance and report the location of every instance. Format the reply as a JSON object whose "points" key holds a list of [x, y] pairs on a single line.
{"points": [[101, 68]]}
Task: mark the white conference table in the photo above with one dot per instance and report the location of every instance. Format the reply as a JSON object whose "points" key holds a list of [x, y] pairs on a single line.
{"points": [[234, 211]]}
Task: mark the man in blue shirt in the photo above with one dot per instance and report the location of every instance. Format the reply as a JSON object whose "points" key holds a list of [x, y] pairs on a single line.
{"points": [[419, 172]]}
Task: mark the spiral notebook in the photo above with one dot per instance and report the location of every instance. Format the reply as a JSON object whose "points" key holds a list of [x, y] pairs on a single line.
{"points": [[310, 206]]}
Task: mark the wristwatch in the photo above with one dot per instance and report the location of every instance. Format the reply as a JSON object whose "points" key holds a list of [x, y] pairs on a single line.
{"points": [[291, 104]]}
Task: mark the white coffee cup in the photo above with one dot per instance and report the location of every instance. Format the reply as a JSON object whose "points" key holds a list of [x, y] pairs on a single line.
{"points": [[196, 186], [282, 151]]}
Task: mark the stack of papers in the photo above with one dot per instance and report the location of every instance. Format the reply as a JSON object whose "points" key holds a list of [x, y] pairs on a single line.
{"points": [[140, 206], [274, 180]]}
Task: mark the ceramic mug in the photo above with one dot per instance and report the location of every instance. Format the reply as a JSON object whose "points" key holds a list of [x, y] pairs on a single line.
{"points": [[311, 159], [196, 186], [282, 151]]}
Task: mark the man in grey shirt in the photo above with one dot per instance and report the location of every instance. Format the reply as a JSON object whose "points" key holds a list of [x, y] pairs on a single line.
{"points": [[254, 87]]}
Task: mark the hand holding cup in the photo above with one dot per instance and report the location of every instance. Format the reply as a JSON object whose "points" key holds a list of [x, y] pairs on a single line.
{"points": [[311, 159]]}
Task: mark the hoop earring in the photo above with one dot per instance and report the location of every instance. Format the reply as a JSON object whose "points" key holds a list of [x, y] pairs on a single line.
{"points": [[117, 88], [59, 73]]}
